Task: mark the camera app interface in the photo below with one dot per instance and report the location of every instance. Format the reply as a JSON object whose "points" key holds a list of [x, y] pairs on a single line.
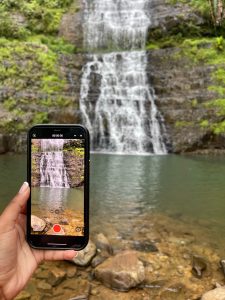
{"points": [[57, 186]]}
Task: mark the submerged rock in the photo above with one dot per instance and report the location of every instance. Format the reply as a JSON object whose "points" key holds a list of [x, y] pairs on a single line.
{"points": [[174, 292], [97, 260], [199, 266], [44, 287], [122, 272], [37, 224], [85, 256], [216, 294], [24, 295], [56, 276], [222, 262], [145, 246], [102, 243]]}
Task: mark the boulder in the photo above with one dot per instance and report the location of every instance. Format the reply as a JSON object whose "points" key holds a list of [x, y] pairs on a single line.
{"points": [[216, 294], [122, 272], [85, 256], [37, 224]]}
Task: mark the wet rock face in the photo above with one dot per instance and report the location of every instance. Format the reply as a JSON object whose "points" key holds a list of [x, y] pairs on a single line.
{"points": [[73, 155], [36, 156], [71, 25], [166, 17], [122, 272], [181, 92], [69, 67], [216, 294]]}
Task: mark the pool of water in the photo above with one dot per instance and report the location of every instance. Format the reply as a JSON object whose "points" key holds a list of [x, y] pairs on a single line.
{"points": [[123, 188]]}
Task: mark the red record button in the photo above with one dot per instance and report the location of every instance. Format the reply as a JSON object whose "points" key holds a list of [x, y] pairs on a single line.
{"points": [[57, 228]]}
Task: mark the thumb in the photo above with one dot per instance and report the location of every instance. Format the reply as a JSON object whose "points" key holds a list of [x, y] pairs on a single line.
{"points": [[15, 207]]}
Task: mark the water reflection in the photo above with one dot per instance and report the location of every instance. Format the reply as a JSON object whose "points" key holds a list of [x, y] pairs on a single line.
{"points": [[57, 200], [53, 199], [124, 185]]}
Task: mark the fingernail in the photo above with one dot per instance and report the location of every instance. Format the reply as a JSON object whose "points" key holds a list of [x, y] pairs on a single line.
{"points": [[24, 187]]}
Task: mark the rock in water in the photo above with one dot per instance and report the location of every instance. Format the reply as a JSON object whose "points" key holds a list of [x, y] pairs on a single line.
{"points": [[37, 224], [145, 246], [216, 294], [199, 265], [85, 256], [24, 295], [102, 243], [121, 272], [56, 276], [222, 262]]}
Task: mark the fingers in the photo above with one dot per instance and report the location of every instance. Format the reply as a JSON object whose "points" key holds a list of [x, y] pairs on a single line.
{"points": [[15, 207], [59, 255]]}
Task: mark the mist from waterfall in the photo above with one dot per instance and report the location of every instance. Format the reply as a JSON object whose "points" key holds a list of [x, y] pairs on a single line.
{"points": [[123, 117]]}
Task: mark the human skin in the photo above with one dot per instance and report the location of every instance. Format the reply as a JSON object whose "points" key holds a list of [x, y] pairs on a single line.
{"points": [[18, 260]]}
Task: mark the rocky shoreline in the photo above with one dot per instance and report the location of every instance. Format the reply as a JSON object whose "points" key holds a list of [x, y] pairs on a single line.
{"points": [[163, 257]]}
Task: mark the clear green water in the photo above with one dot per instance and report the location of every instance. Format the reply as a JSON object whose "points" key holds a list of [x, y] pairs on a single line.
{"points": [[123, 187]]}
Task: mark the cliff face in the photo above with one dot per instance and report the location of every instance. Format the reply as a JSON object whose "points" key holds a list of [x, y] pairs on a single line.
{"points": [[187, 71], [40, 76], [40, 70]]}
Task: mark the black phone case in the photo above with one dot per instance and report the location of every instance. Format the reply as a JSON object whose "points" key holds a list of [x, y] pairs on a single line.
{"points": [[86, 198]]}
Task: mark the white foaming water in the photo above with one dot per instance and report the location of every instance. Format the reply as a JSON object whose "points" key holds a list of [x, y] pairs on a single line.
{"points": [[115, 23], [52, 168], [123, 117]]}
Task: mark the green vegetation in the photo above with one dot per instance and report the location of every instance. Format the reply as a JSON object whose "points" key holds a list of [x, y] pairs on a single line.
{"points": [[181, 124], [42, 16], [199, 45], [30, 51]]}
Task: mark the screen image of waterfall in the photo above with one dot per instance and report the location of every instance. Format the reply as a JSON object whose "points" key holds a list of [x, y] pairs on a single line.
{"points": [[116, 100], [52, 168], [57, 185]]}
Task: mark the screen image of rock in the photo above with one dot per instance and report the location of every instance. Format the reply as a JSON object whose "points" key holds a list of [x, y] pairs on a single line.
{"points": [[57, 186]]}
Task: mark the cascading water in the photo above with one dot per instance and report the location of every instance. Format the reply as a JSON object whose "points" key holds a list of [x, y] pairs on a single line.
{"points": [[123, 117], [52, 168]]}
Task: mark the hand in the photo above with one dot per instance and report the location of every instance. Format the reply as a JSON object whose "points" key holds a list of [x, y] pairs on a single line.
{"points": [[18, 260]]}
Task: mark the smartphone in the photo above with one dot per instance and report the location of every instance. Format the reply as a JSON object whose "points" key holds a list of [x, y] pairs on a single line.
{"points": [[58, 175]]}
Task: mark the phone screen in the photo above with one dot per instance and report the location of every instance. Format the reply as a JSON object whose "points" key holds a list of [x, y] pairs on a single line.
{"points": [[57, 185]]}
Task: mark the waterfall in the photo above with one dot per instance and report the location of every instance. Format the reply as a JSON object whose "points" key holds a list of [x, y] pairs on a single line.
{"points": [[116, 101], [52, 169]]}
